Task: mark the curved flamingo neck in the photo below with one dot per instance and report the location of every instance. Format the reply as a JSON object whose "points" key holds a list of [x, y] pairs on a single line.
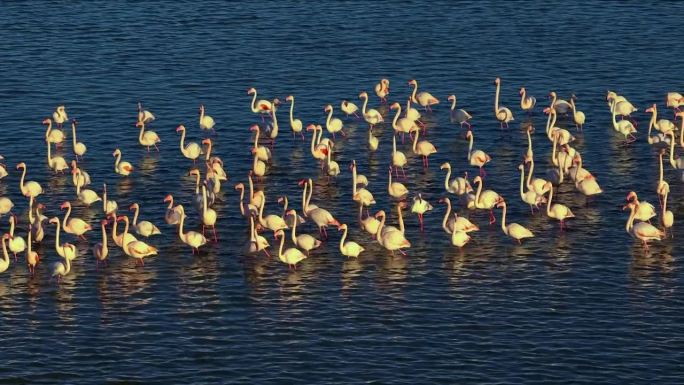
{"points": [[446, 215], [453, 103], [209, 147], [496, 98], [23, 176], [394, 121], [66, 217], [280, 249], [630, 221], [446, 179], [104, 237], [254, 97], [415, 90], [292, 111], [118, 158], [548, 203], [201, 114], [470, 145], [136, 211], [365, 103], [182, 141], [503, 218], [415, 141], [344, 237]]}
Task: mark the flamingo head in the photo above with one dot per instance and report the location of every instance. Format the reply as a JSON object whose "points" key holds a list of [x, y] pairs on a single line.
{"points": [[477, 179], [276, 102], [47, 121], [403, 205], [201, 107], [521, 167], [379, 214], [497, 81], [443, 200], [363, 95], [327, 108], [445, 165], [632, 197], [412, 82], [342, 227], [279, 234], [65, 205], [180, 128], [292, 212], [54, 220], [251, 91], [651, 109], [301, 183], [169, 198], [40, 206], [451, 98], [547, 110], [121, 218], [74, 122], [311, 127], [522, 90], [104, 222], [500, 203], [469, 134], [116, 152], [133, 206], [552, 94], [280, 199], [289, 98], [21, 165], [207, 142]]}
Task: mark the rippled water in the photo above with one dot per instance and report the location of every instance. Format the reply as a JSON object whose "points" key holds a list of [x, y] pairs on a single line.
{"points": [[587, 305]]}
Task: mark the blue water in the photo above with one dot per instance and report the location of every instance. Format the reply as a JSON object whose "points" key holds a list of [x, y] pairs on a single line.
{"points": [[587, 305]]}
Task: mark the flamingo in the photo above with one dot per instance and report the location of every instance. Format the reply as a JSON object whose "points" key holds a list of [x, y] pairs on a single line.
{"points": [[351, 248], [393, 239], [256, 242], [423, 148], [625, 127], [191, 238], [477, 158], [485, 200], [557, 211], [382, 89], [461, 116], [530, 196], [147, 138], [513, 230], [321, 217], [262, 106], [122, 168], [527, 102], [577, 116], [78, 147], [420, 206], [55, 136], [456, 222], [173, 213], [642, 231], [503, 114], [458, 185], [395, 189], [206, 122], [86, 196], [372, 116], [101, 250], [136, 249], [333, 125], [17, 244], [108, 206], [644, 211], [60, 116], [144, 116], [75, 226], [28, 189], [192, 150], [425, 99], [144, 228], [349, 108], [305, 242], [57, 163], [295, 124], [559, 105], [5, 261], [398, 158], [65, 250], [291, 256], [261, 152], [402, 125]]}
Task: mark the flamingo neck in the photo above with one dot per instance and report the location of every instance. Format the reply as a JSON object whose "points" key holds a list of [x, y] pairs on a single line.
{"points": [[140, 136], [204, 201], [672, 144], [73, 134], [415, 141], [4, 252], [261, 213], [548, 203], [201, 114], [344, 237], [182, 142], [308, 200], [353, 179], [280, 249], [365, 103], [478, 192], [66, 217], [446, 215], [292, 112], [274, 127], [48, 129], [529, 142], [327, 120], [413, 94], [57, 231], [136, 211], [503, 218], [496, 98], [630, 221], [446, 179], [285, 206], [104, 238], [49, 153], [251, 230], [12, 226], [401, 219], [394, 144], [294, 229], [209, 145], [117, 160], [380, 226], [254, 97], [470, 145], [396, 118], [181, 234], [21, 182], [453, 104], [522, 178]]}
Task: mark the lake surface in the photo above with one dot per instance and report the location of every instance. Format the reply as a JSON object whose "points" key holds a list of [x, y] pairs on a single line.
{"points": [[587, 305]]}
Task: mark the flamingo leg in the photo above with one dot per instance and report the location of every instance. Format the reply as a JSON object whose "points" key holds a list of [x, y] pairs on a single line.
{"points": [[420, 219], [492, 219], [215, 236]]}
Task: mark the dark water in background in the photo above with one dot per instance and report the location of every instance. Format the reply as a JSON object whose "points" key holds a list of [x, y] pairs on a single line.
{"points": [[587, 305]]}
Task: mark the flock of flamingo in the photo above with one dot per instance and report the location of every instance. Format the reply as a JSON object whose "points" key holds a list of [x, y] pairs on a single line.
{"points": [[536, 192]]}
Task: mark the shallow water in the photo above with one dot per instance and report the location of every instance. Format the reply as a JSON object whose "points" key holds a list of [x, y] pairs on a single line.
{"points": [[586, 305]]}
